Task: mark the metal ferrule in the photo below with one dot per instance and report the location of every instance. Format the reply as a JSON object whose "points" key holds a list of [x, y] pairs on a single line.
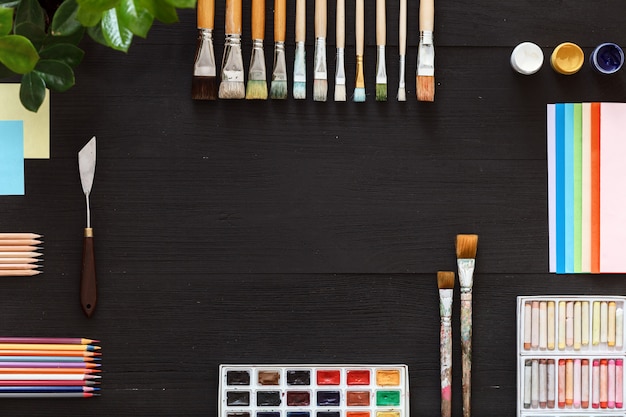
{"points": [[299, 67], [232, 61], [204, 64], [445, 304], [381, 69], [360, 79], [340, 71], [402, 66], [466, 273], [257, 61], [426, 54], [320, 71], [280, 64], [426, 37]]}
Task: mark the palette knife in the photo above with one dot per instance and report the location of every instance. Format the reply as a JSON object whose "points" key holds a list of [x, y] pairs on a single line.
{"points": [[87, 168]]}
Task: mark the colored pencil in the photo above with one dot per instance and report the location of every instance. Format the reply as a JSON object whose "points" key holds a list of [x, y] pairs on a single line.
{"points": [[320, 71], [19, 273], [17, 248], [445, 282], [49, 371], [425, 78], [20, 254], [47, 346], [466, 246], [48, 395], [52, 388], [299, 65], [204, 82], [232, 85], [58, 377], [340, 35], [20, 242], [47, 383], [4, 236], [49, 340], [359, 88], [60, 365], [31, 358], [381, 42], [402, 51], [23, 352], [18, 260], [18, 266], [256, 88], [278, 86]]}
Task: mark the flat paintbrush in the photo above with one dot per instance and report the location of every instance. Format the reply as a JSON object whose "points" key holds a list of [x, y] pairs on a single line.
{"points": [[425, 78], [466, 246], [299, 65], [204, 81], [340, 71], [320, 71], [359, 85], [381, 41], [445, 282], [278, 87], [232, 85], [257, 78], [402, 50]]}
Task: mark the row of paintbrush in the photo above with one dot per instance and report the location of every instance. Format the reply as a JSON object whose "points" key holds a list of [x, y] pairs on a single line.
{"points": [[34, 367], [19, 254], [466, 246], [233, 86]]}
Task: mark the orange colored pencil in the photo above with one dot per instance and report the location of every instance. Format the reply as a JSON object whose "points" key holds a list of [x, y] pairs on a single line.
{"points": [[47, 346], [20, 242], [19, 273]]}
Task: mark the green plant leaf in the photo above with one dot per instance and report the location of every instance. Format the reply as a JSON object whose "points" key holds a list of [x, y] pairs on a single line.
{"points": [[134, 17], [98, 6], [64, 52], [18, 53], [182, 4], [9, 3], [95, 32], [32, 91], [64, 21], [160, 9], [73, 39], [6, 21], [117, 35], [88, 18], [31, 31], [30, 11], [57, 75]]}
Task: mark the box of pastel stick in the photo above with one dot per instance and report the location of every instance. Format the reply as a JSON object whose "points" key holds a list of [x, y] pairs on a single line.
{"points": [[313, 391], [570, 356]]}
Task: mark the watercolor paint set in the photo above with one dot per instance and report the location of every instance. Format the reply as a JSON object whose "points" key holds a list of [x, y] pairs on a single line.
{"points": [[570, 356], [313, 391]]}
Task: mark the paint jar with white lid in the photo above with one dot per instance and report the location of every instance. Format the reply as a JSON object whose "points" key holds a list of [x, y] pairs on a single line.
{"points": [[527, 58]]}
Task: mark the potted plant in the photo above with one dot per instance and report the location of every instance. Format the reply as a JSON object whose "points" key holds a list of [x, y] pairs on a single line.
{"points": [[39, 40]]}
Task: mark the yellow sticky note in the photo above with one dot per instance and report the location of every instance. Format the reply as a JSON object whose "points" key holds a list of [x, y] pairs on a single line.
{"points": [[36, 125]]}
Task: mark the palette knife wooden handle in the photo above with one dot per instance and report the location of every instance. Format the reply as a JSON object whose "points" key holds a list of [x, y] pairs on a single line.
{"points": [[88, 288]]}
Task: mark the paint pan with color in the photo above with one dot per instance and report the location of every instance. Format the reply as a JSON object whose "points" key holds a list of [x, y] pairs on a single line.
{"points": [[314, 391], [567, 58], [527, 58], [607, 58]]}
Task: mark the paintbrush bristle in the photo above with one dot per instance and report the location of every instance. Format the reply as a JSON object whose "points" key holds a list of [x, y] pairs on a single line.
{"points": [[445, 279], [299, 90], [232, 90], [359, 95], [425, 87], [320, 90], [256, 90], [401, 94], [466, 246], [340, 92], [204, 88], [381, 92], [278, 90]]}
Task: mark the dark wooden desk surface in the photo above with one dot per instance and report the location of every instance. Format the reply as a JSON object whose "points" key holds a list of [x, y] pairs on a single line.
{"points": [[302, 232]]}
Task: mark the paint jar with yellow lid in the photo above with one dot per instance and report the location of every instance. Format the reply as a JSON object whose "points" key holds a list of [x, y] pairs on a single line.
{"points": [[567, 58]]}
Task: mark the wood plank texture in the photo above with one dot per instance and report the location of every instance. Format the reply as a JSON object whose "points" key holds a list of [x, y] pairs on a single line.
{"points": [[295, 231]]}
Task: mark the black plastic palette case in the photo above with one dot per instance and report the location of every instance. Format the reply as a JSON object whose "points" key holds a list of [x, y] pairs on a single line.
{"points": [[314, 391], [570, 356]]}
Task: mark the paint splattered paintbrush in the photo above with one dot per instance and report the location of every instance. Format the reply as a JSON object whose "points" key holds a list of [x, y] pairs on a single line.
{"points": [[320, 72], [340, 71], [232, 85], [381, 41], [257, 78], [204, 82], [359, 87], [425, 78], [299, 65], [466, 246], [402, 49], [445, 282], [278, 87]]}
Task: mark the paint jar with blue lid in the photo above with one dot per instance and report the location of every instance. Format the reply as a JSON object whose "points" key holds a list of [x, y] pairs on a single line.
{"points": [[607, 58]]}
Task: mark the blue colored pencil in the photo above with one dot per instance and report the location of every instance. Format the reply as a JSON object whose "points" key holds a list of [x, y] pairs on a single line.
{"points": [[48, 394]]}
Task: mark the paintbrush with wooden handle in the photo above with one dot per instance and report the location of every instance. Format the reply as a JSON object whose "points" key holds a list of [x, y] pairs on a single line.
{"points": [[257, 79], [402, 50], [204, 82], [278, 87], [340, 71], [232, 85], [359, 29], [320, 71], [425, 78], [381, 41], [299, 65]]}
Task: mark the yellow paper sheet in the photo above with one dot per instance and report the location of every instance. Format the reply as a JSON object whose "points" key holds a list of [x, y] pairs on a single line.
{"points": [[36, 125]]}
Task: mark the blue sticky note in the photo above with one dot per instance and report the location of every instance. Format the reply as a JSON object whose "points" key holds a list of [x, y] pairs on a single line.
{"points": [[560, 186], [568, 167], [11, 157]]}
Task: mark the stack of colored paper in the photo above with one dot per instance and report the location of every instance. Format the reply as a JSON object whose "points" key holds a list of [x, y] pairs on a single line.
{"points": [[586, 195]]}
